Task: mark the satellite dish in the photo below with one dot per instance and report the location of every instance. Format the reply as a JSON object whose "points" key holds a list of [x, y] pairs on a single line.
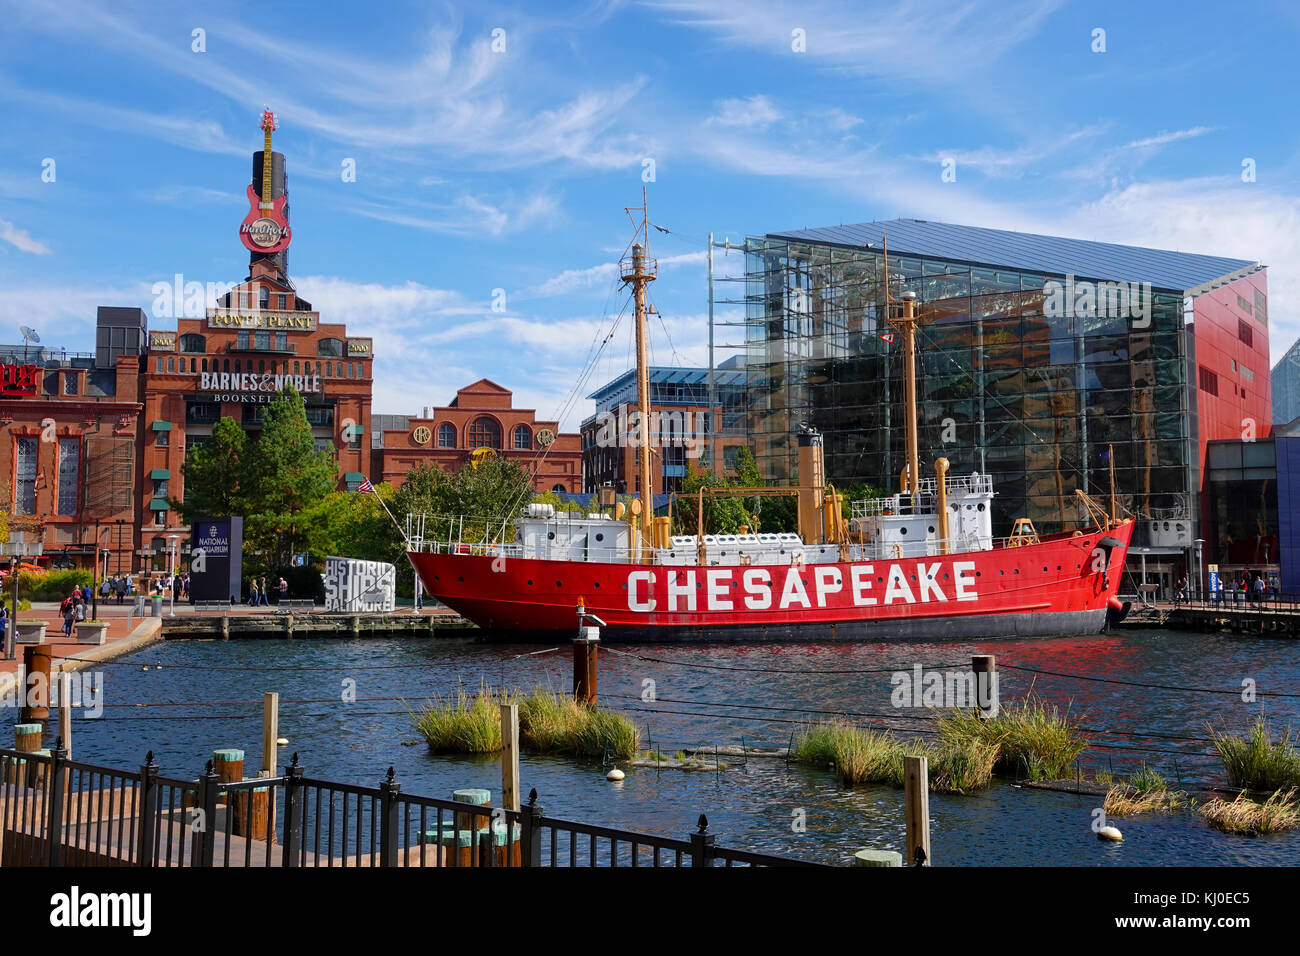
{"points": [[29, 334]]}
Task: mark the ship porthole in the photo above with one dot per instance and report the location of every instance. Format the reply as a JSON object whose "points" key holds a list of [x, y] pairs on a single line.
{"points": [[600, 537], [595, 584], [461, 580], [561, 584], [980, 508], [530, 583]]}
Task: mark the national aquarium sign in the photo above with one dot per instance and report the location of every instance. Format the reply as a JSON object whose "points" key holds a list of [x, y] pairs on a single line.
{"points": [[216, 559], [359, 586]]}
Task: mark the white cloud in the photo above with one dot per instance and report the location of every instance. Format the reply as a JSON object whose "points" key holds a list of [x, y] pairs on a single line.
{"points": [[1163, 139], [753, 112], [19, 239]]}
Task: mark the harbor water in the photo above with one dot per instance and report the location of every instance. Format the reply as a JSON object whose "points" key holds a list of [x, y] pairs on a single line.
{"points": [[346, 705]]}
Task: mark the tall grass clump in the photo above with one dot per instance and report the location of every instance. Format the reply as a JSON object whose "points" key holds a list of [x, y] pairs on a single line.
{"points": [[550, 722], [1246, 817], [470, 725], [861, 756], [1256, 761], [1032, 736]]}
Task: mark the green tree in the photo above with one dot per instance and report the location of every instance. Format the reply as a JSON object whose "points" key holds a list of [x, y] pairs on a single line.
{"points": [[215, 473], [722, 515], [287, 485]]}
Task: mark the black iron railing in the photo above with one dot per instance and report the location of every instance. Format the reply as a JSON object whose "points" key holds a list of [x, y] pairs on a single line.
{"points": [[59, 812]]}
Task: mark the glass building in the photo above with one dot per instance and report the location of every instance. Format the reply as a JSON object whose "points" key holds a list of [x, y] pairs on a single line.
{"points": [[1286, 386], [1020, 374]]}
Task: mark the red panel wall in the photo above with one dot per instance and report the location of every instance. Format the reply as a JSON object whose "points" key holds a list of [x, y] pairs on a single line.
{"points": [[1241, 401]]}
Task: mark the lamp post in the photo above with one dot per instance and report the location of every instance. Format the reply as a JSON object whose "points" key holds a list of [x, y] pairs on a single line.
{"points": [[172, 559], [1200, 569]]}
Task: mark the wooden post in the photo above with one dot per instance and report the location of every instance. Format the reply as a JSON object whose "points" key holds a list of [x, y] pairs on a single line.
{"points": [[65, 711], [580, 669], [877, 858], [510, 756], [985, 669], [27, 739], [228, 765], [916, 797], [270, 731], [36, 667]]}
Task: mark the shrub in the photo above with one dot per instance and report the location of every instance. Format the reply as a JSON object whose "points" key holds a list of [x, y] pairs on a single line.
{"points": [[52, 585]]}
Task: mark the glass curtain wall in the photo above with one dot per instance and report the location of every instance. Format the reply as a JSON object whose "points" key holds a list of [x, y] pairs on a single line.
{"points": [[1032, 399]]}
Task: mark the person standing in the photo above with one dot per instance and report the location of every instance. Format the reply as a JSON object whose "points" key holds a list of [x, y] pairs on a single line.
{"points": [[69, 615], [261, 595], [1259, 590], [284, 589]]}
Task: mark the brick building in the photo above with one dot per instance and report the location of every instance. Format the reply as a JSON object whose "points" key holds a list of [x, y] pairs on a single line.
{"points": [[482, 415], [70, 426]]}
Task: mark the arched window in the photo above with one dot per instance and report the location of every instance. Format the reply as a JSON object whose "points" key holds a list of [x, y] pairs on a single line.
{"points": [[237, 369], [446, 435], [329, 369], [191, 342], [523, 438], [263, 297], [296, 370], [204, 366], [558, 488], [330, 348], [225, 363], [484, 433]]}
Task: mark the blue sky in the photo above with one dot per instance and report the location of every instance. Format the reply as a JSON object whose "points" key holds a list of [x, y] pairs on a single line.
{"points": [[481, 169]]}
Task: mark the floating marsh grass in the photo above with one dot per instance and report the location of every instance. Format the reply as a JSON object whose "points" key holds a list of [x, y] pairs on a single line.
{"points": [[1256, 761], [1031, 735], [867, 756], [1145, 792], [548, 723], [1247, 817], [470, 725]]}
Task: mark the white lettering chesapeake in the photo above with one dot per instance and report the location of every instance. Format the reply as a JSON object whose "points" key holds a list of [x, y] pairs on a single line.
{"points": [[897, 588], [686, 590], [964, 582], [758, 589], [827, 580], [861, 578], [793, 589], [634, 603], [717, 583], [929, 582]]}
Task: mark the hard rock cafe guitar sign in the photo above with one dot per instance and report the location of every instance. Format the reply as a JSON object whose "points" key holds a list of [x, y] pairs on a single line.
{"points": [[266, 227]]}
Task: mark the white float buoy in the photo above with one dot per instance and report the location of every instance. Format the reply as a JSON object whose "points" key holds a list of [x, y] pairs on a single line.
{"points": [[615, 774], [282, 742], [1109, 833]]}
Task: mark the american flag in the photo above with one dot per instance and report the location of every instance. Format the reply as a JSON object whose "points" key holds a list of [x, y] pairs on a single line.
{"points": [[366, 487]]}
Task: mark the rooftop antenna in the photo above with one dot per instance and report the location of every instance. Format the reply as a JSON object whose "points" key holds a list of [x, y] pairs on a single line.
{"points": [[29, 336]]}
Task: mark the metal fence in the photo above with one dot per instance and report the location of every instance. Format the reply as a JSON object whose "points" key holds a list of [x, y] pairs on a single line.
{"points": [[59, 812]]}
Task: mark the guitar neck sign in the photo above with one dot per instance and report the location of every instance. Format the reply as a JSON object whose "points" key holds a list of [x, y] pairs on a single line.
{"points": [[20, 379], [266, 227]]}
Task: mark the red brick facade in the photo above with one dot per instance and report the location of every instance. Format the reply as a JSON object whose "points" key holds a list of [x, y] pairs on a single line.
{"points": [[482, 415]]}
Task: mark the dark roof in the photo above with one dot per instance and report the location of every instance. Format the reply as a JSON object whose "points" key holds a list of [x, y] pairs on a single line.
{"points": [[1053, 255]]}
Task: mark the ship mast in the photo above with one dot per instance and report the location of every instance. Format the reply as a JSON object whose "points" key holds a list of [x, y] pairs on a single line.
{"points": [[906, 324], [639, 271]]}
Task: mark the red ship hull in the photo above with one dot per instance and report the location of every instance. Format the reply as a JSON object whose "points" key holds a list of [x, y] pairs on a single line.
{"points": [[1062, 585]]}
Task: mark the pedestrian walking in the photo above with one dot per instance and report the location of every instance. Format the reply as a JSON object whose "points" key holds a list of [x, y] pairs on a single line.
{"points": [[69, 612], [261, 595]]}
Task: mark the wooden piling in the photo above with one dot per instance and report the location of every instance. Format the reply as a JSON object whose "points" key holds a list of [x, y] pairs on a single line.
{"points": [[585, 672], [916, 798], [36, 700], [263, 801], [510, 756], [877, 858], [228, 765], [65, 711], [985, 669]]}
